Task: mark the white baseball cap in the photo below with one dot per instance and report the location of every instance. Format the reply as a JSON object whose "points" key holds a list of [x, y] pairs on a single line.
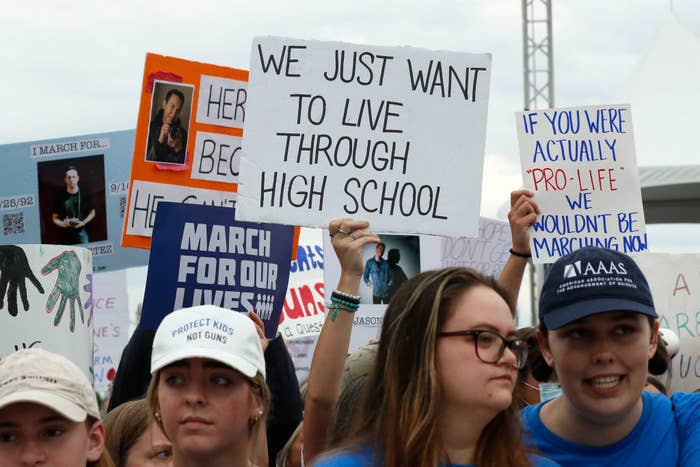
{"points": [[45, 378], [209, 331]]}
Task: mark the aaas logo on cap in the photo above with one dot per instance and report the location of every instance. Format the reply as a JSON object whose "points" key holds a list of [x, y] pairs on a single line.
{"points": [[574, 269]]}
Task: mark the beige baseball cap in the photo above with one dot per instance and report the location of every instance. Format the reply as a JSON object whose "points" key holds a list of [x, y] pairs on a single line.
{"points": [[209, 331], [45, 378]]}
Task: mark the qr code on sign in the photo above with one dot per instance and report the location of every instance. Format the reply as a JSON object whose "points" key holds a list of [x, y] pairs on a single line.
{"points": [[13, 224], [122, 206]]}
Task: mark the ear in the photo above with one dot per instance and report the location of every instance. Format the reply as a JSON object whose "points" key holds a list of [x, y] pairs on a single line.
{"points": [[96, 441], [543, 342], [256, 402], [654, 341]]}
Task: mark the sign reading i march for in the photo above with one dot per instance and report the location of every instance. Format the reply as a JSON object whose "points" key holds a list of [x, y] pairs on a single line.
{"points": [[200, 255]]}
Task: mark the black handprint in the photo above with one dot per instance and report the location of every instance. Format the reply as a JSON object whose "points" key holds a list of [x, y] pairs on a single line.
{"points": [[15, 268], [66, 287]]}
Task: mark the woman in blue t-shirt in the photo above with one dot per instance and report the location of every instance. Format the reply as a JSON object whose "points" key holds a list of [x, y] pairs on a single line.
{"points": [[441, 390], [598, 331]]}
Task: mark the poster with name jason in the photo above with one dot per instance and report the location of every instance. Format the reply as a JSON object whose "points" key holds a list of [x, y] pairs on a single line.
{"points": [[581, 164], [200, 255], [394, 135]]}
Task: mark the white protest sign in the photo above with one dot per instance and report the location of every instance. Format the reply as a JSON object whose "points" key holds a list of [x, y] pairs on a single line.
{"points": [[394, 135], [145, 197], [110, 325], [581, 164], [304, 310], [47, 302], [416, 253], [487, 253], [675, 285], [216, 157]]}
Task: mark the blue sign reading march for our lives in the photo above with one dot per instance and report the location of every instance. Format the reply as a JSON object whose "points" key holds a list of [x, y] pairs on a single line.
{"points": [[200, 255]]}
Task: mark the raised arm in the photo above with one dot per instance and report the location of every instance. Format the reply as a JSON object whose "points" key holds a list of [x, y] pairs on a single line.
{"points": [[348, 237], [522, 215]]}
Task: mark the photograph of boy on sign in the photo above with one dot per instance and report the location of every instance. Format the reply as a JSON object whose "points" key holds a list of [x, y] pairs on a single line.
{"points": [[383, 274], [167, 134], [72, 200]]}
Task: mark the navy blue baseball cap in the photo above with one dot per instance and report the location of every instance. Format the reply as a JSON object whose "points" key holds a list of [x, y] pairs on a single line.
{"points": [[593, 280]]}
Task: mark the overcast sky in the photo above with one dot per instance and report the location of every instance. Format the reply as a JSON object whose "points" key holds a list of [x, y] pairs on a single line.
{"points": [[75, 67]]}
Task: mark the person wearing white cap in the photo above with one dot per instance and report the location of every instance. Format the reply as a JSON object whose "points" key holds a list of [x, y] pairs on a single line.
{"points": [[48, 413], [208, 391]]}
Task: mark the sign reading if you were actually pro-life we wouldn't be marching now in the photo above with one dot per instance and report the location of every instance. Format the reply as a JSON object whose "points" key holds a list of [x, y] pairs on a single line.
{"points": [[581, 164], [394, 135], [200, 255]]}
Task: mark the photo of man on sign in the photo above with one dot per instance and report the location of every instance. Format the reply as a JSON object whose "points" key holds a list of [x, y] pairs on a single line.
{"points": [[167, 137]]}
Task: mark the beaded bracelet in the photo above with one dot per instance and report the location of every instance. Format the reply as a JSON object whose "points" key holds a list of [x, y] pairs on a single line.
{"points": [[346, 296]]}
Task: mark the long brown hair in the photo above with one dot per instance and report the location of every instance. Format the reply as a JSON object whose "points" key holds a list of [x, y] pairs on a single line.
{"points": [[402, 395]]}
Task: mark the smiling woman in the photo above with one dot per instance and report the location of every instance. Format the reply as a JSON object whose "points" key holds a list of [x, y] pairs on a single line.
{"points": [[598, 331]]}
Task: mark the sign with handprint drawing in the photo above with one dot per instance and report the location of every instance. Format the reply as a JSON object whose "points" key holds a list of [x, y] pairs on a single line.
{"points": [[45, 301]]}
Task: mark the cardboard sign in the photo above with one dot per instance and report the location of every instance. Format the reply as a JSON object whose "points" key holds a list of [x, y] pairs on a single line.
{"points": [[188, 140], [581, 164], [487, 253], [403, 257], [36, 206], [675, 285], [394, 135], [110, 325], [201, 256], [304, 309], [48, 301]]}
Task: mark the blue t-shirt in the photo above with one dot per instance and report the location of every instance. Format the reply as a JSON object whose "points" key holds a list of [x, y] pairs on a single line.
{"points": [[667, 434], [366, 458]]}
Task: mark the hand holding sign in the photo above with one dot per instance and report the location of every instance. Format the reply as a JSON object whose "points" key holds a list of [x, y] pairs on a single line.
{"points": [[348, 237], [522, 215], [66, 287], [15, 269]]}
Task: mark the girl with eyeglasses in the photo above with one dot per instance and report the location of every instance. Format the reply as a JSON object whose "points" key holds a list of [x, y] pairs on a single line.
{"points": [[441, 390]]}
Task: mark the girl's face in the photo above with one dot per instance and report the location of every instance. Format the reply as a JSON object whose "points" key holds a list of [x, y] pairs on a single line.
{"points": [[601, 362], [32, 434], [205, 407], [466, 381], [152, 449]]}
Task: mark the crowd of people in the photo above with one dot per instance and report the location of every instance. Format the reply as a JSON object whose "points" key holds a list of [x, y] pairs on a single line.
{"points": [[450, 382]]}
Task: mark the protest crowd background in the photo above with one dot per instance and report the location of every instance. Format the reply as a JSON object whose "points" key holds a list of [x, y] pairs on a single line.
{"points": [[330, 246]]}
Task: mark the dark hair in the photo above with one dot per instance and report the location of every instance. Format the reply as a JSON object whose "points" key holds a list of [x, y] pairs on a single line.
{"points": [[175, 92], [71, 167], [393, 256], [536, 365], [381, 244], [656, 382], [399, 413]]}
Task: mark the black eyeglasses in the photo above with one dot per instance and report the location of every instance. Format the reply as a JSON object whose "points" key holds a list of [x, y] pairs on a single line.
{"points": [[490, 346]]}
